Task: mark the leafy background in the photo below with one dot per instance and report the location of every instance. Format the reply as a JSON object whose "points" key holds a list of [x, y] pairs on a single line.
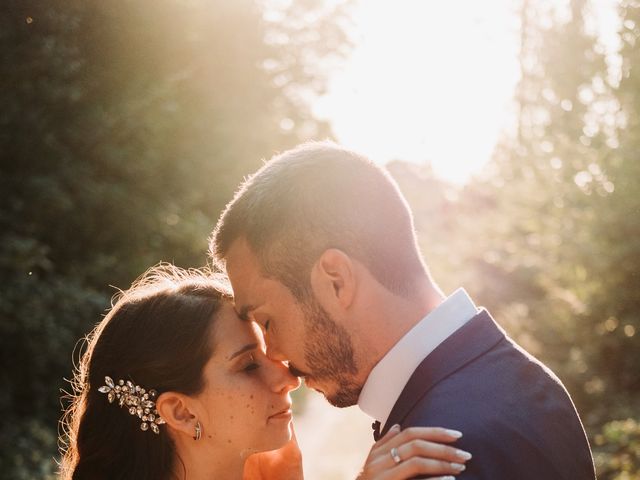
{"points": [[126, 125]]}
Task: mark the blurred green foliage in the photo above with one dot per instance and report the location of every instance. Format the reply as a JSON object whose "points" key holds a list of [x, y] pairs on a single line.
{"points": [[618, 450], [124, 129], [125, 126]]}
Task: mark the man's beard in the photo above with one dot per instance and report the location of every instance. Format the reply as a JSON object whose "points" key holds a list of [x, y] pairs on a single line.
{"points": [[329, 355]]}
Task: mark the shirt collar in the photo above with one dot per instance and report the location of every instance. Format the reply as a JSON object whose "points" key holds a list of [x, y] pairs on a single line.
{"points": [[390, 375]]}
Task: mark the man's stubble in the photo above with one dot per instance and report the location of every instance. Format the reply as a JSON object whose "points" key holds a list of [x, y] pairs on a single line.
{"points": [[330, 356]]}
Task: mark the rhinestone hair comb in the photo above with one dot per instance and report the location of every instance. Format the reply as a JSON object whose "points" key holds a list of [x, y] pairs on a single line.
{"points": [[137, 400]]}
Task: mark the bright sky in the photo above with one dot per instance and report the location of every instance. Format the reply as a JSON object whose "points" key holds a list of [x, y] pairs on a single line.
{"points": [[428, 81]]}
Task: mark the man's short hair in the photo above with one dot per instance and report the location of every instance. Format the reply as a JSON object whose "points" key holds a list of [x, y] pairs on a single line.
{"points": [[315, 197]]}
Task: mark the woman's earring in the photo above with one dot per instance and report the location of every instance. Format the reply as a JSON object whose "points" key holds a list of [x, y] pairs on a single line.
{"points": [[198, 431]]}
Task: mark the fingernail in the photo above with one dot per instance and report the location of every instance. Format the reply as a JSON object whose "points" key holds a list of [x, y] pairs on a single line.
{"points": [[464, 455], [458, 466], [454, 433], [395, 427]]}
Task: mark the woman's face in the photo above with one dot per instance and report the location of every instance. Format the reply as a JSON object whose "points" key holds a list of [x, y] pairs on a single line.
{"points": [[245, 405]]}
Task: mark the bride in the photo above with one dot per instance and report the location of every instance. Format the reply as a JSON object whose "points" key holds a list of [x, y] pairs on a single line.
{"points": [[174, 386]]}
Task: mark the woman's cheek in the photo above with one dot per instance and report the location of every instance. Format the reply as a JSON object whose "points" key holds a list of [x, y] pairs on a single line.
{"points": [[249, 392]]}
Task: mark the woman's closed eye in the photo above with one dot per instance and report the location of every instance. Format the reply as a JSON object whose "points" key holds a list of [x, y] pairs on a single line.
{"points": [[251, 364]]}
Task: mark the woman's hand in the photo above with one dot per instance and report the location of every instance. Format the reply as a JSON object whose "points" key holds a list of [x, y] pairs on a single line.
{"points": [[400, 455]]}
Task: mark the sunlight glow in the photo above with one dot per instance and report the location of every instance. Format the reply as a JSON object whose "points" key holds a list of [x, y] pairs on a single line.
{"points": [[428, 82]]}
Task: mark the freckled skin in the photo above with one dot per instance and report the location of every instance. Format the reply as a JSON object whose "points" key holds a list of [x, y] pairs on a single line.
{"points": [[250, 376]]}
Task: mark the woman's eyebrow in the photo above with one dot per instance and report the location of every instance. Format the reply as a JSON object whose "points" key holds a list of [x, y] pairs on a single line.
{"points": [[246, 348]]}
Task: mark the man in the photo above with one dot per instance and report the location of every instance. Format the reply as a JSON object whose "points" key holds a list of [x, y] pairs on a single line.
{"points": [[320, 248]]}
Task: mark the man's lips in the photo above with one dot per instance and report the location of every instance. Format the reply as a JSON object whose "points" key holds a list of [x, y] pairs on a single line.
{"points": [[310, 383]]}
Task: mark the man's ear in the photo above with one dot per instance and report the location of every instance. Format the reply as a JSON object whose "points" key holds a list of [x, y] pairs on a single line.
{"points": [[333, 278], [176, 410]]}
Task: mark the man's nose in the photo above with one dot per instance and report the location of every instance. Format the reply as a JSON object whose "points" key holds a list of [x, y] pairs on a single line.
{"points": [[273, 352]]}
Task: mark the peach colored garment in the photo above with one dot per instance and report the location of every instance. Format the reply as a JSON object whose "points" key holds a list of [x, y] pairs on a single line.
{"points": [[282, 464]]}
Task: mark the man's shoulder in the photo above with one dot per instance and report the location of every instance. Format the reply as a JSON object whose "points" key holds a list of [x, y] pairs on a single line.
{"points": [[505, 383], [480, 368], [514, 413]]}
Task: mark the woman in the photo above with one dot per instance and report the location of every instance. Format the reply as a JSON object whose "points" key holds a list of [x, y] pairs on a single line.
{"points": [[173, 385]]}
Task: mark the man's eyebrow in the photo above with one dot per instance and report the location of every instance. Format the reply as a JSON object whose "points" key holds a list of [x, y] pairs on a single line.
{"points": [[244, 311], [246, 348]]}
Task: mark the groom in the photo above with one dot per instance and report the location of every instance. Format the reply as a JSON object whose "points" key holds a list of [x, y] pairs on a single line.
{"points": [[320, 248]]}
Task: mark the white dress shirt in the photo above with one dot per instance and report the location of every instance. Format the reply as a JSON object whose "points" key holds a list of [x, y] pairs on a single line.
{"points": [[390, 375]]}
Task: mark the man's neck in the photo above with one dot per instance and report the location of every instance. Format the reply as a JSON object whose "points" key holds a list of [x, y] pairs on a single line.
{"points": [[393, 371], [389, 318]]}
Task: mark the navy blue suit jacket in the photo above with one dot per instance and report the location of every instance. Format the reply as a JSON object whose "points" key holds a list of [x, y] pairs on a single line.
{"points": [[516, 417]]}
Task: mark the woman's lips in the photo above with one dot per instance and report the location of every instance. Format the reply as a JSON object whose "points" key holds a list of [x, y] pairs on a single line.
{"points": [[284, 414]]}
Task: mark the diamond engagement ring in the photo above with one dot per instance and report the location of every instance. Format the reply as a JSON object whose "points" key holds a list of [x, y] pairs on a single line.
{"points": [[394, 454]]}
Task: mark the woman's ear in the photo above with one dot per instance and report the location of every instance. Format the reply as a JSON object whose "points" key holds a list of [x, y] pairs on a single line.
{"points": [[333, 279], [176, 410]]}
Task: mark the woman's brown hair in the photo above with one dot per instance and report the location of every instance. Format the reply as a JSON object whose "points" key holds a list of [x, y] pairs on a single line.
{"points": [[158, 335]]}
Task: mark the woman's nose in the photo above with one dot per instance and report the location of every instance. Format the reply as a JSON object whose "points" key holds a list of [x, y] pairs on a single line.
{"points": [[282, 379]]}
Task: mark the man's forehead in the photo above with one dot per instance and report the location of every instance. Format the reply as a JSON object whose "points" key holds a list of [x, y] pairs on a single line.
{"points": [[241, 256], [252, 288], [247, 296]]}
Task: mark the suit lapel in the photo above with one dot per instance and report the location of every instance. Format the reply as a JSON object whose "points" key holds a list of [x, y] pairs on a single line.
{"points": [[470, 341]]}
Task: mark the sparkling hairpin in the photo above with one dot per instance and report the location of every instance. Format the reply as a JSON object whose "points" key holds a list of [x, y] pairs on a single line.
{"points": [[139, 401]]}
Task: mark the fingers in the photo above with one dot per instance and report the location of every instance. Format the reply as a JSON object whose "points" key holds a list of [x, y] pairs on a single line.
{"points": [[421, 451], [395, 438], [384, 468], [424, 466], [393, 431], [433, 434], [436, 451]]}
